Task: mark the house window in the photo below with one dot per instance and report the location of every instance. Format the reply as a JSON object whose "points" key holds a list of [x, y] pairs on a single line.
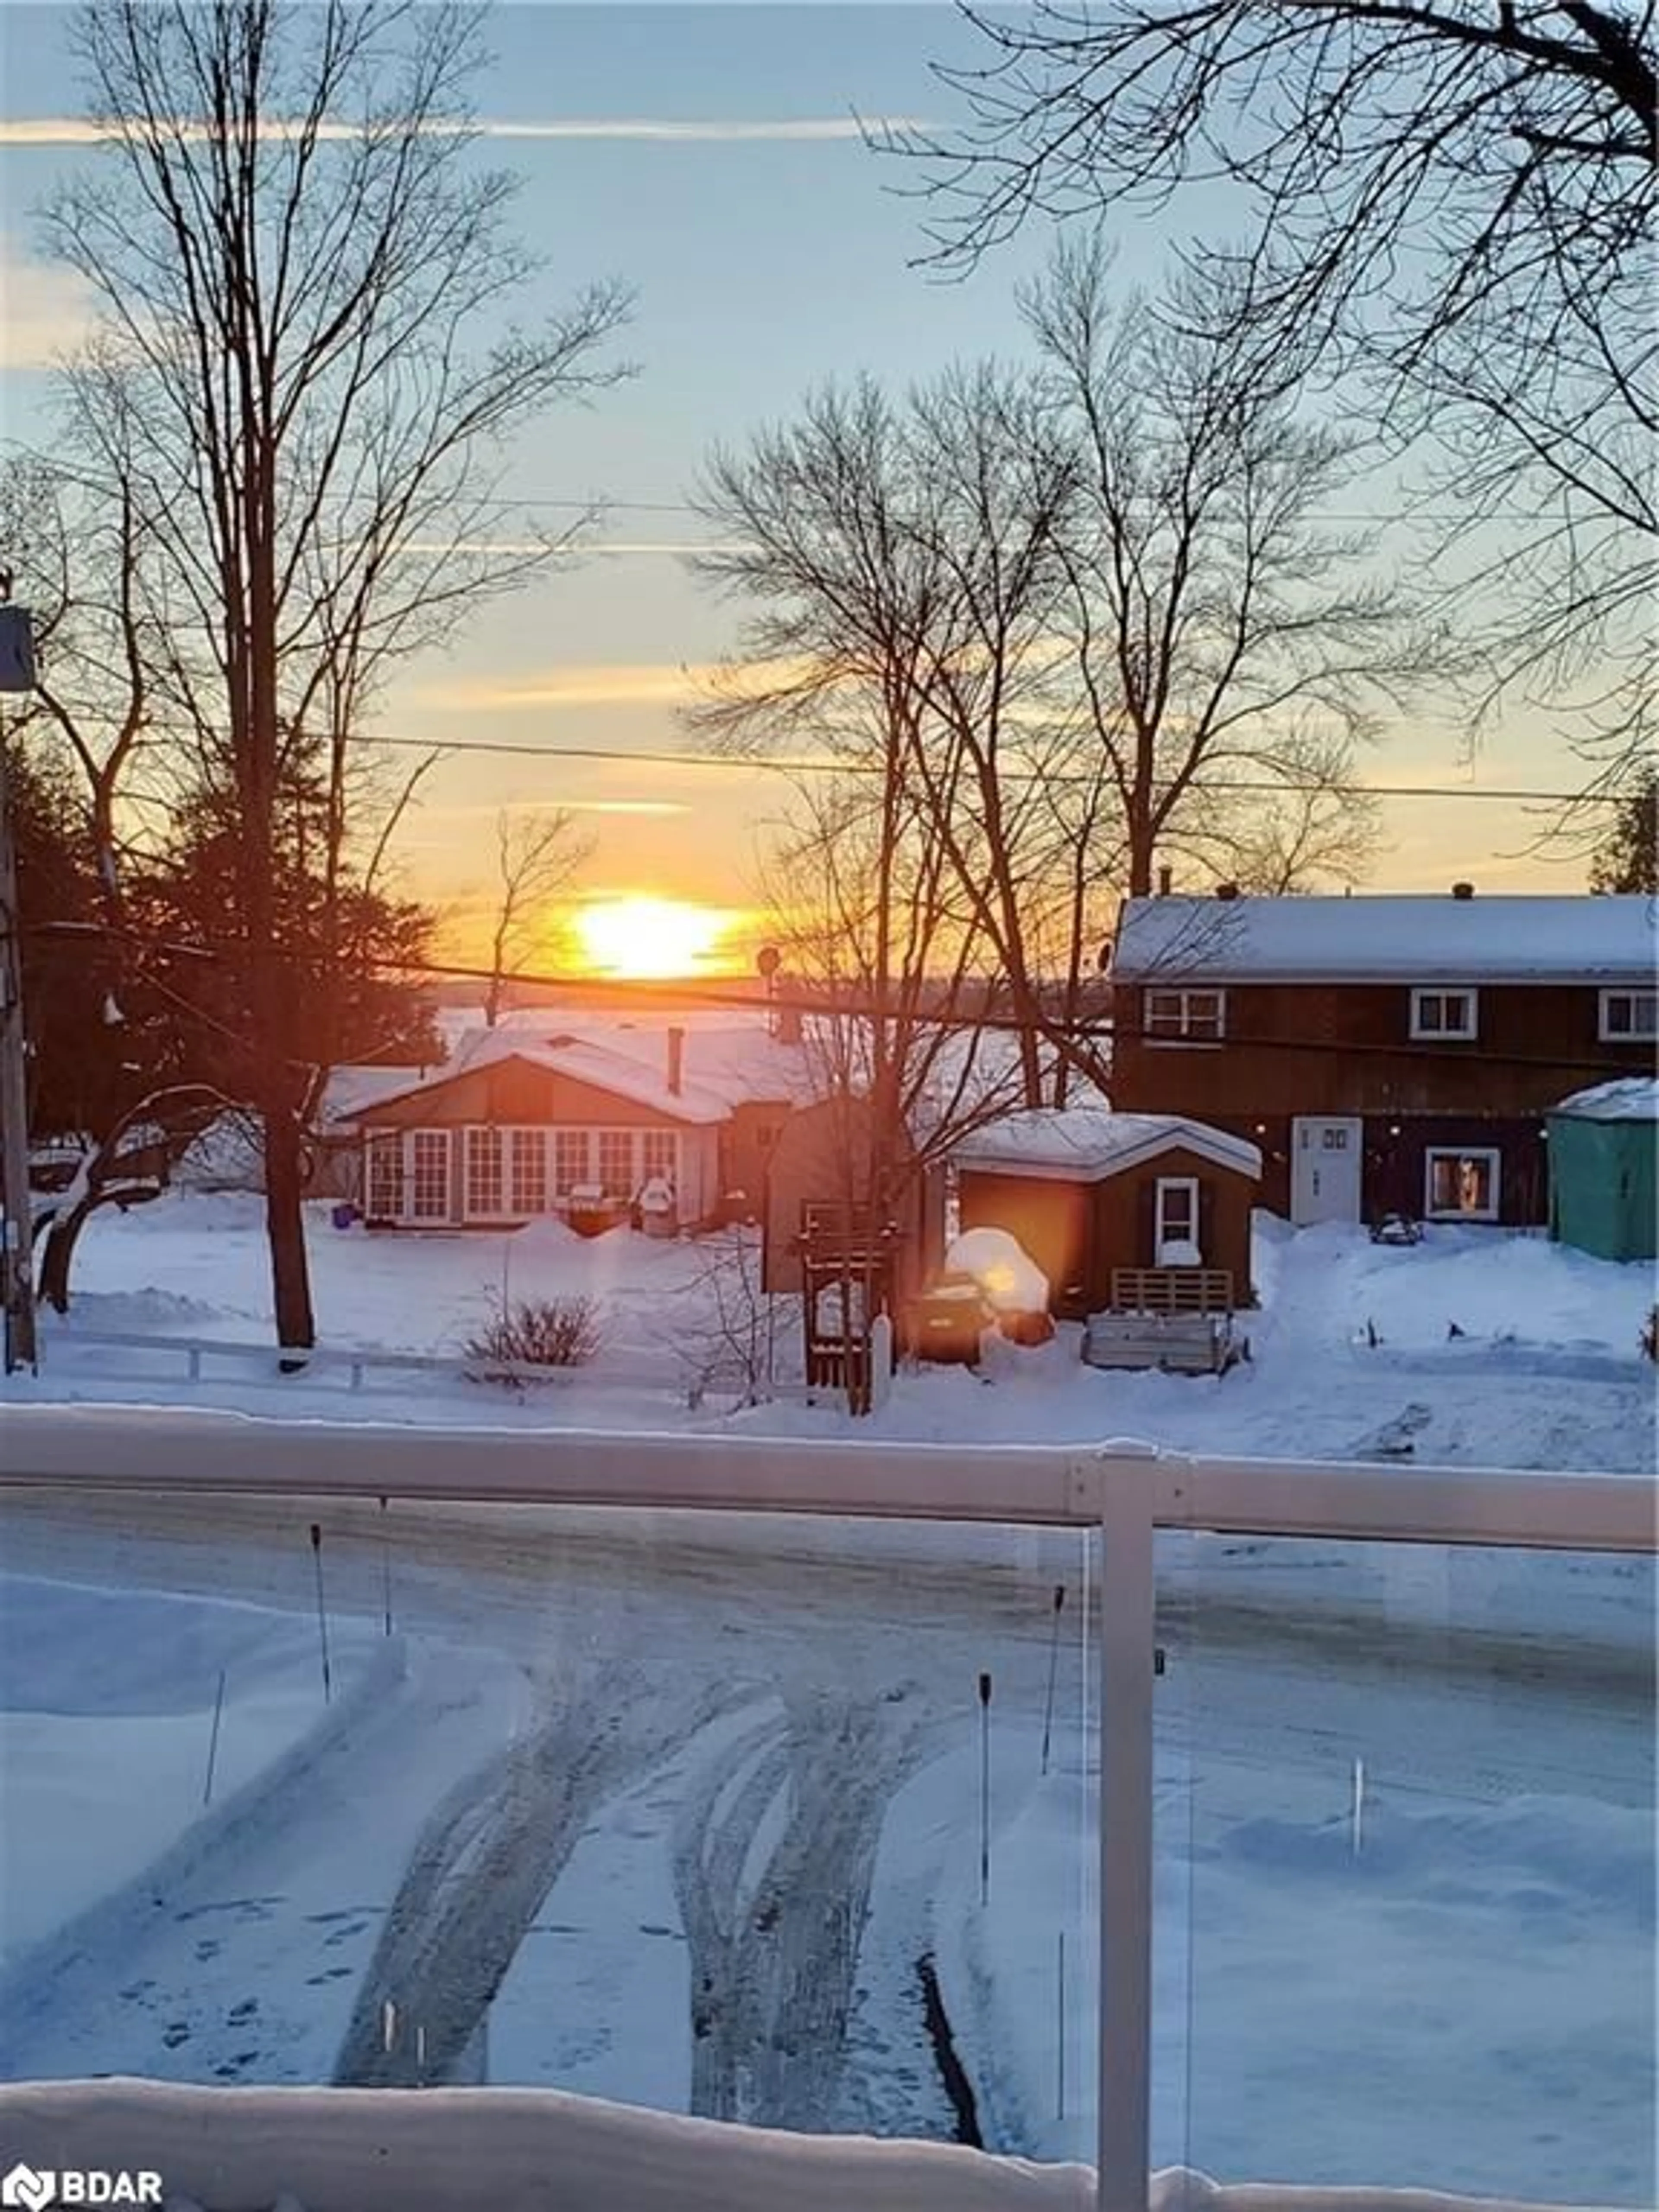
{"points": [[1630, 1017], [527, 1150], [429, 1175], [1175, 1228], [385, 1193], [483, 1174], [569, 1159], [659, 1155], [1443, 1014], [616, 1161], [1185, 1016], [1461, 1183]]}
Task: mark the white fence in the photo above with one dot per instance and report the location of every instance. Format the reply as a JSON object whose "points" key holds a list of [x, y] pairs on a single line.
{"points": [[1125, 1489]]}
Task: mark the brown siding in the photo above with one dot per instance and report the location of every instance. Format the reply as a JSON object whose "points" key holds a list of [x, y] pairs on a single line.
{"points": [[1347, 1048], [1392, 1160], [746, 1146], [1079, 1232], [822, 1155]]}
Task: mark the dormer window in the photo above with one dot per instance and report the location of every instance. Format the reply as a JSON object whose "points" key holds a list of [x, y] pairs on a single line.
{"points": [[1184, 1016], [1444, 1016]]}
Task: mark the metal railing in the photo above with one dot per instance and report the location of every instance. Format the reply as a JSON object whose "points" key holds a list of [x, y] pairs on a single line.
{"points": [[1124, 1488]]}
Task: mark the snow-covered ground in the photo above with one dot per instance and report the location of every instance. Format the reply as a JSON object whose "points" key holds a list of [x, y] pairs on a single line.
{"points": [[1479, 1345], [671, 1810]]}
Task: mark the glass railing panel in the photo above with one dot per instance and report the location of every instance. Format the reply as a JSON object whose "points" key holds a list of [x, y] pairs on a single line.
{"points": [[1405, 1845], [783, 1821]]}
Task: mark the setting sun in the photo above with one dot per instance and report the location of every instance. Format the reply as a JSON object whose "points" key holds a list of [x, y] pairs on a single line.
{"points": [[639, 937]]}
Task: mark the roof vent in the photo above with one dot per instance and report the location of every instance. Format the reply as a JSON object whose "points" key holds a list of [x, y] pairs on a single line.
{"points": [[1462, 890], [1226, 890], [558, 1043], [1165, 877]]}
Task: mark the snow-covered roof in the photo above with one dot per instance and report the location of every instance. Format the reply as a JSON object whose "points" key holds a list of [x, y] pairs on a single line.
{"points": [[1408, 939], [1629, 1098], [350, 1091], [1089, 1143], [581, 1061]]}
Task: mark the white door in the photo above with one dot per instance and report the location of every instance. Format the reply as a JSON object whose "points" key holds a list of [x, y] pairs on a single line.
{"points": [[1326, 1156]]}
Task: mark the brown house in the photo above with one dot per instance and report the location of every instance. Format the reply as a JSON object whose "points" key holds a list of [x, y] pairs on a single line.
{"points": [[1388, 1054], [520, 1124], [1092, 1195]]}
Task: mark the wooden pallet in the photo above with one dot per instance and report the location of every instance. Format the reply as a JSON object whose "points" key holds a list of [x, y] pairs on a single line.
{"points": [[1172, 1290], [1179, 1343]]}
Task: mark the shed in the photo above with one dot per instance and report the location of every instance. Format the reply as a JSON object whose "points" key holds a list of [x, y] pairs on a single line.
{"points": [[1117, 1209], [818, 1187], [1603, 1197]]}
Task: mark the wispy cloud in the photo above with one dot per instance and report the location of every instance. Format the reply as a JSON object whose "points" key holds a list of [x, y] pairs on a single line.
{"points": [[44, 311], [628, 684], [61, 130]]}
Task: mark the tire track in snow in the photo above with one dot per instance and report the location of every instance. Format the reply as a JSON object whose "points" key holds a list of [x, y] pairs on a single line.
{"points": [[486, 1860], [774, 1953]]}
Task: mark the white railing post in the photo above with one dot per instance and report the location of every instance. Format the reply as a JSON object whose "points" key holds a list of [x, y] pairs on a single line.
{"points": [[1123, 2155]]}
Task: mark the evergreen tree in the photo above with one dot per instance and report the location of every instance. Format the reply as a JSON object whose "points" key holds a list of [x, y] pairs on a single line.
{"points": [[1627, 858]]}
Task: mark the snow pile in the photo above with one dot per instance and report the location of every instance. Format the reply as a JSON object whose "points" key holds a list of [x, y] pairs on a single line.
{"points": [[1012, 1280]]}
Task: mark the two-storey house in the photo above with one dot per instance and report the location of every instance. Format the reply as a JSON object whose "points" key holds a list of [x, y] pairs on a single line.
{"points": [[1387, 1054]]}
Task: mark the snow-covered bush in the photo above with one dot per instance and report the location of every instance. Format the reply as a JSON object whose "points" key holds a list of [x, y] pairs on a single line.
{"points": [[535, 1333]]}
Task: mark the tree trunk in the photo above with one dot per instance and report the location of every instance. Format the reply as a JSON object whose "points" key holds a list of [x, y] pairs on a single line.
{"points": [[290, 1279]]}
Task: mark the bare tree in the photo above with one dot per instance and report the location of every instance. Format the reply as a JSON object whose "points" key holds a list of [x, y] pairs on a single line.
{"points": [[1451, 198], [1062, 616], [291, 245], [537, 854], [1210, 613]]}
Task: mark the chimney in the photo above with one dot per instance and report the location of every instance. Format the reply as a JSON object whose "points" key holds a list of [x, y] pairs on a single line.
{"points": [[1462, 890], [1226, 890], [676, 1059], [1165, 878]]}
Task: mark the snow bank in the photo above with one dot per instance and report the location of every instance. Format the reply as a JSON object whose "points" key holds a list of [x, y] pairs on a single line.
{"points": [[364, 2150]]}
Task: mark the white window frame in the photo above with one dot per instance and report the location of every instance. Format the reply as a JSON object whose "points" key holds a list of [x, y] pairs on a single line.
{"points": [[649, 1137], [1422, 1032], [472, 1141], [1493, 1157], [571, 1134], [1166, 1185], [611, 1138], [1182, 1027], [1632, 995], [532, 1144], [415, 1212], [389, 1146]]}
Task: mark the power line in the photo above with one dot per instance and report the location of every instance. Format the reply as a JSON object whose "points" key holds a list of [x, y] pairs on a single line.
{"points": [[808, 765], [1095, 1031]]}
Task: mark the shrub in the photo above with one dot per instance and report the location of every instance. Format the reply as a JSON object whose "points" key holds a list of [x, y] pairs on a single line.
{"points": [[535, 1333]]}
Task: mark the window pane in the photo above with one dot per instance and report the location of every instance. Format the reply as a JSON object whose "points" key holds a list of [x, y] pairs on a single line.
{"points": [[529, 1148], [1403, 1922], [617, 1161], [431, 1163], [658, 1154], [569, 1158], [483, 1170]]}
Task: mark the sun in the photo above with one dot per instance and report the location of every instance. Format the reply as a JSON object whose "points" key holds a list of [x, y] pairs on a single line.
{"points": [[642, 937]]}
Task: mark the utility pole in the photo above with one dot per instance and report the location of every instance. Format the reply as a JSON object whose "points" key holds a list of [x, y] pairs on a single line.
{"points": [[16, 1264]]}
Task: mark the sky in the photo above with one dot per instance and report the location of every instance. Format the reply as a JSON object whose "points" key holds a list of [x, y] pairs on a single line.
{"points": [[709, 158]]}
